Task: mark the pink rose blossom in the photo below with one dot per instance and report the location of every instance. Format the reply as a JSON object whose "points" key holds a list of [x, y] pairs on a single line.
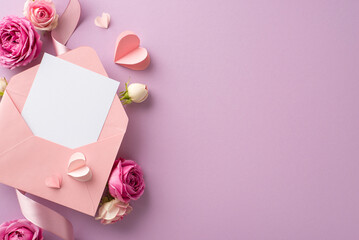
{"points": [[42, 14], [113, 211], [20, 229], [126, 181], [19, 42]]}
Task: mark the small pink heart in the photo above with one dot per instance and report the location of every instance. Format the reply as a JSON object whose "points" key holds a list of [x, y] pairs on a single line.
{"points": [[103, 21], [128, 52], [54, 181]]}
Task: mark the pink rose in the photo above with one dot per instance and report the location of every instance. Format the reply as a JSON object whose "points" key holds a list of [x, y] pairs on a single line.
{"points": [[20, 229], [126, 181], [113, 211], [19, 42], [42, 14]]}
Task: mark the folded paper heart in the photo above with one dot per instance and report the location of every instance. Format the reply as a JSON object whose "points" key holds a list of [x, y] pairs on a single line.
{"points": [[128, 52], [103, 21], [54, 181], [78, 169]]}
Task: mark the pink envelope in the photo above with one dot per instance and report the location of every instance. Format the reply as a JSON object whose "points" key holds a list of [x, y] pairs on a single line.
{"points": [[26, 161]]}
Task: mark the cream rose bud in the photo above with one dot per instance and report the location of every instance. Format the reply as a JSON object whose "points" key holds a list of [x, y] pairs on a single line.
{"points": [[3, 84], [138, 92]]}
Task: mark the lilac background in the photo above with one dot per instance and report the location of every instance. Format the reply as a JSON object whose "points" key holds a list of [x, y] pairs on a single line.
{"points": [[251, 130]]}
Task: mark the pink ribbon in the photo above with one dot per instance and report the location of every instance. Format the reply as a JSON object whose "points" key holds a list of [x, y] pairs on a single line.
{"points": [[66, 26], [33, 211], [45, 217]]}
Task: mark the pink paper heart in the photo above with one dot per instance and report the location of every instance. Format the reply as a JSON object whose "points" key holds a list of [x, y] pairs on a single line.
{"points": [[103, 21], [54, 181], [78, 169], [128, 52]]}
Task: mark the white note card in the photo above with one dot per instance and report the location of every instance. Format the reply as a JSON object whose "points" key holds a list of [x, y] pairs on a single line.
{"points": [[68, 104]]}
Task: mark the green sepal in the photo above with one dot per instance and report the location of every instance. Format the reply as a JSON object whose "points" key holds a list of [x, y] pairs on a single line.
{"points": [[124, 97], [2, 93]]}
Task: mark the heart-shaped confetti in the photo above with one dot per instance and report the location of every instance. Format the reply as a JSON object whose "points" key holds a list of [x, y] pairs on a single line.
{"points": [[103, 21], [78, 169], [54, 181]]}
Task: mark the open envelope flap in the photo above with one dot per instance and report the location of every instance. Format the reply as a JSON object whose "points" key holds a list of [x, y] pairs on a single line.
{"points": [[26, 160], [20, 85], [13, 128]]}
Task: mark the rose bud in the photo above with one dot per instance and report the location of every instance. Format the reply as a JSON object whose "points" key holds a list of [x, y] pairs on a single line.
{"points": [[136, 92], [3, 84]]}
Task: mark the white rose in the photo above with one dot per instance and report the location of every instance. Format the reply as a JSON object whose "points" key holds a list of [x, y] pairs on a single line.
{"points": [[113, 211], [136, 92]]}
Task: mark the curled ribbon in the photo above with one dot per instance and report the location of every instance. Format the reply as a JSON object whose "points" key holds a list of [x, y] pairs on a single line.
{"points": [[33, 211], [67, 24], [45, 217]]}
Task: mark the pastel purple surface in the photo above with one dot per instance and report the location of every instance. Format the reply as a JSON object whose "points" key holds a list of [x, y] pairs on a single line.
{"points": [[251, 130]]}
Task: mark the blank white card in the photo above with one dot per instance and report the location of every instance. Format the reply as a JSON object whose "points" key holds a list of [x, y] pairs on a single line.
{"points": [[68, 104]]}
